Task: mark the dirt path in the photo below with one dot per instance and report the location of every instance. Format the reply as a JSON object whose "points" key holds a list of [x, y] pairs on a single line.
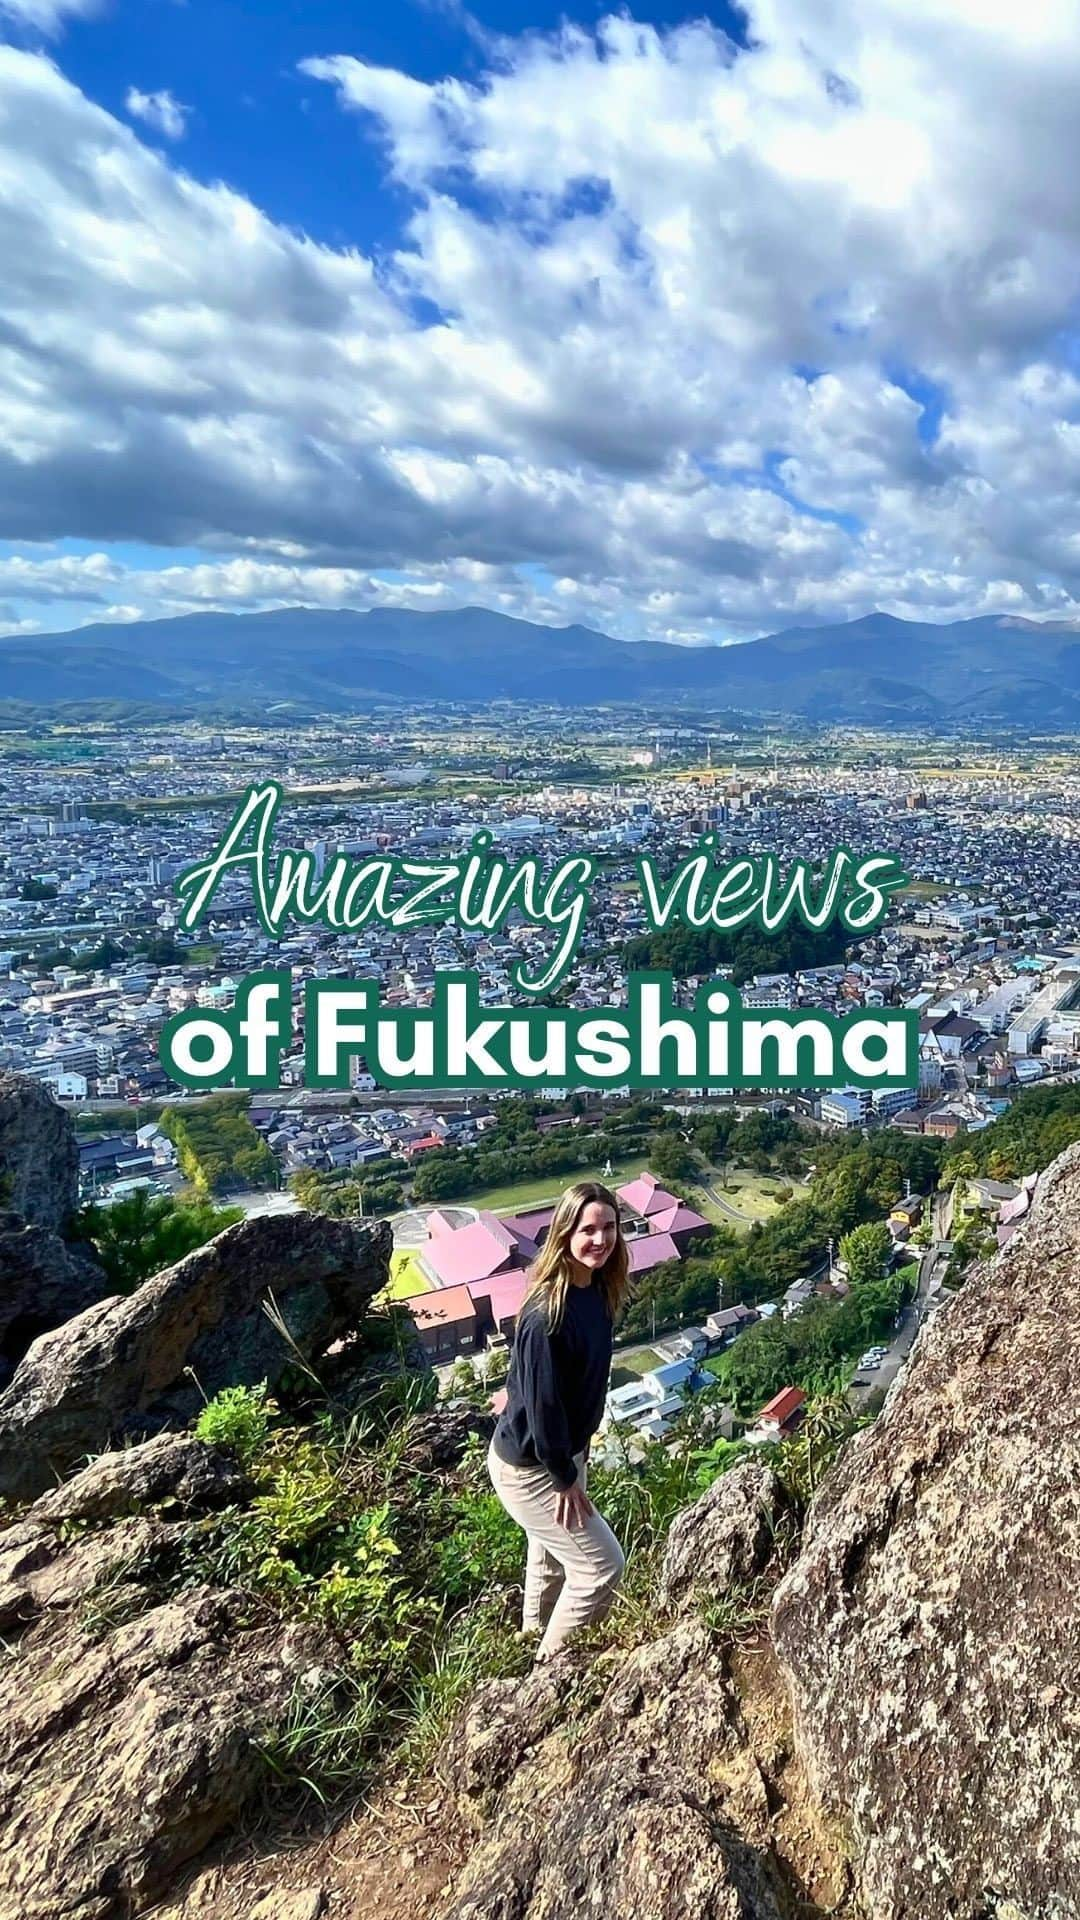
{"points": [[387, 1859]]}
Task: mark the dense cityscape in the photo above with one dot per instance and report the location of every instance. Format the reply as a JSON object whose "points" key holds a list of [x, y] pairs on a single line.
{"points": [[983, 944]]}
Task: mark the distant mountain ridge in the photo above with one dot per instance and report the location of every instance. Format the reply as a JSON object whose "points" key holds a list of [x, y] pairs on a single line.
{"points": [[876, 669]]}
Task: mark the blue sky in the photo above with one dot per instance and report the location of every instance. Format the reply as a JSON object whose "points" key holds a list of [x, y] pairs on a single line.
{"points": [[675, 325], [258, 123]]}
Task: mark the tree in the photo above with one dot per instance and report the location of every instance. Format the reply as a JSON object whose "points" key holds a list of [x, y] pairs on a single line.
{"points": [[959, 1168], [671, 1159], [864, 1252], [142, 1234], [307, 1187]]}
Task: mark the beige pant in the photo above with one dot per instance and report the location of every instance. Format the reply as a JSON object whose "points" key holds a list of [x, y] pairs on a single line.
{"points": [[571, 1573]]}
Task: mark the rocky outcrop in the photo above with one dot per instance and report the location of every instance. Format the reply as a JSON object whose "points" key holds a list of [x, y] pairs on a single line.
{"points": [[653, 1808], [128, 1743], [627, 1786], [725, 1537], [43, 1280], [124, 1759], [61, 1549], [930, 1628], [135, 1366], [39, 1154]]}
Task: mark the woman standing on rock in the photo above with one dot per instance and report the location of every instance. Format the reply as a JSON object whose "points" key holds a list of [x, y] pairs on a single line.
{"points": [[556, 1389]]}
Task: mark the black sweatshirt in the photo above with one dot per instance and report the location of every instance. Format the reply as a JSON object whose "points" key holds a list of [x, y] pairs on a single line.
{"points": [[556, 1385]]}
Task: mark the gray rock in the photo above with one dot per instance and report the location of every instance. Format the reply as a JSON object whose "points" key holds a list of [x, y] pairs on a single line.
{"points": [[173, 1468], [136, 1366], [43, 1282], [306, 1903], [121, 1761], [39, 1153], [45, 1565], [644, 1805], [930, 1629], [726, 1537]]}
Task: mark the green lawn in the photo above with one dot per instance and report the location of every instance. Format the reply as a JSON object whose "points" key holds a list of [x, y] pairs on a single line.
{"points": [[406, 1277], [754, 1194], [537, 1193], [631, 1366]]}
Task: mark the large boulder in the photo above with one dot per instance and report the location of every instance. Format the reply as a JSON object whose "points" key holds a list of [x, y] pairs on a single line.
{"points": [[132, 1367], [633, 1797], [727, 1537], [930, 1629], [122, 1758], [131, 1717], [62, 1548], [39, 1154], [43, 1282]]}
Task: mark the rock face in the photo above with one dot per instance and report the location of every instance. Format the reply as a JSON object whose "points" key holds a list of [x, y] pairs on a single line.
{"points": [[930, 1629], [653, 1809], [728, 1534], [124, 1750], [628, 1787], [43, 1280], [39, 1154], [132, 1367]]}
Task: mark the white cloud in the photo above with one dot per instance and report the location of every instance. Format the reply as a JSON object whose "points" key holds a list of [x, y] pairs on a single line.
{"points": [[47, 16], [710, 339], [159, 111]]}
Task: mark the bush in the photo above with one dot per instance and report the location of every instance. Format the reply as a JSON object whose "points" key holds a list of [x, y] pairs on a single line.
{"points": [[139, 1236], [237, 1417]]}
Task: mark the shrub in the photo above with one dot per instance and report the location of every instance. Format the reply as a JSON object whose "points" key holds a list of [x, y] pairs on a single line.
{"points": [[237, 1417]]}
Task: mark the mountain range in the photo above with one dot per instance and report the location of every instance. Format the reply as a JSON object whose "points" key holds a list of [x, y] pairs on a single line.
{"points": [[875, 670]]}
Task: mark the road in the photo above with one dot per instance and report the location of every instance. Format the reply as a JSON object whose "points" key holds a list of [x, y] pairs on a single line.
{"points": [[255, 1203], [724, 1205], [930, 1266]]}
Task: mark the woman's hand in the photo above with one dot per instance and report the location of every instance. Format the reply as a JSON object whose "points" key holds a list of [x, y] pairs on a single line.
{"points": [[572, 1506]]}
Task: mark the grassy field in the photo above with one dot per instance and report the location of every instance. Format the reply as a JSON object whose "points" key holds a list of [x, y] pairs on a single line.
{"points": [[631, 1366], [754, 1194], [406, 1277], [534, 1193], [921, 890]]}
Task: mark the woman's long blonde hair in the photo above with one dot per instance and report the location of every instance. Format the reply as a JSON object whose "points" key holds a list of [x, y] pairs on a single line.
{"points": [[551, 1272]]}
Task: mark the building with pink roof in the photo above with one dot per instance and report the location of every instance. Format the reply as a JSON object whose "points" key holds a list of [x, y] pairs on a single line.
{"points": [[679, 1221], [650, 1250], [445, 1321], [646, 1196], [473, 1252]]}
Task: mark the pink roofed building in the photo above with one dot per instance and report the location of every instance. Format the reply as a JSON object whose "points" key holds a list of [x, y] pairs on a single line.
{"points": [[650, 1251], [466, 1254], [646, 1196], [680, 1222], [445, 1320]]}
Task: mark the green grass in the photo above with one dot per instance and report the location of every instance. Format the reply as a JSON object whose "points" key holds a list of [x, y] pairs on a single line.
{"points": [[406, 1277], [631, 1366], [713, 1364], [205, 955], [921, 890], [754, 1194], [535, 1193]]}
